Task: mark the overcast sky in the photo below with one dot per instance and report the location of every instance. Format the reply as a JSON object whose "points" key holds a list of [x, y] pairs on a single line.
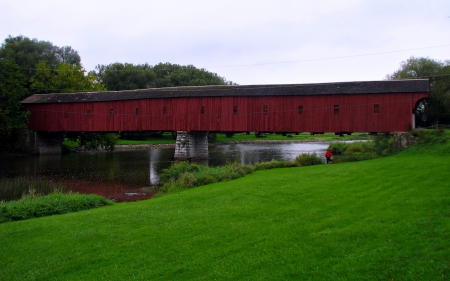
{"points": [[245, 41]]}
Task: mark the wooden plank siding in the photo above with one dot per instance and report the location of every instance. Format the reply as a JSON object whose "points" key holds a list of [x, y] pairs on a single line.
{"points": [[231, 114]]}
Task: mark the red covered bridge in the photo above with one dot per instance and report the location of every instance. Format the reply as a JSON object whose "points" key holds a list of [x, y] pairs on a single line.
{"points": [[345, 107]]}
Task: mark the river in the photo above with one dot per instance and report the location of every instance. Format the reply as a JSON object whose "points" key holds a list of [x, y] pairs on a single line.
{"points": [[125, 175]]}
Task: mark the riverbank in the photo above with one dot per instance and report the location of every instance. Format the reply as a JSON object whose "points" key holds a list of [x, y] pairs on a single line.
{"points": [[383, 219]]}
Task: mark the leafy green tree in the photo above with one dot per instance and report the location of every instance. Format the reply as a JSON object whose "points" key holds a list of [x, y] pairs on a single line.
{"points": [[68, 55], [126, 76], [13, 118], [42, 82], [438, 109], [174, 75], [27, 53], [65, 78]]}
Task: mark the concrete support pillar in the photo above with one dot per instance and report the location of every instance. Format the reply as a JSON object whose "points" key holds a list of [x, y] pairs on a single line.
{"points": [[41, 143], [191, 146]]}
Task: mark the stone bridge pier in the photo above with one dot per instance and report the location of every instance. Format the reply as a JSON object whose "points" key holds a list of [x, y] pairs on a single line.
{"points": [[41, 143], [191, 146]]}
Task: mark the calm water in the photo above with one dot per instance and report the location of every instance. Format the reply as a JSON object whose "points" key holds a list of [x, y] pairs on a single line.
{"points": [[124, 175]]}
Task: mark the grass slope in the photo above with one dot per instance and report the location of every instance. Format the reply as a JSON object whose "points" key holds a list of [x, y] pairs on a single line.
{"points": [[383, 219]]}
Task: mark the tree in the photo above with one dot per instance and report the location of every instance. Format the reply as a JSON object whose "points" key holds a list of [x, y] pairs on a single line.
{"points": [[65, 78], [68, 55], [438, 109], [174, 75], [126, 76], [13, 118], [41, 82], [27, 53]]}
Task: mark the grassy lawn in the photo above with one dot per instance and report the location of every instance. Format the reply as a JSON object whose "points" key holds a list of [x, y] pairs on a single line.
{"points": [[383, 219]]}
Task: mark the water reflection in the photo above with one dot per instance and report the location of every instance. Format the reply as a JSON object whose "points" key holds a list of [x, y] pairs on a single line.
{"points": [[251, 153], [124, 175]]}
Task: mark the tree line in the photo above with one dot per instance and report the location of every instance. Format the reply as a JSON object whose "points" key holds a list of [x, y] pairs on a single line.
{"points": [[31, 66]]}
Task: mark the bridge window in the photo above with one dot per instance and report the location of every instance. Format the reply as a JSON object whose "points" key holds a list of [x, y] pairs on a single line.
{"points": [[266, 109], [164, 110], [300, 109], [111, 112], [66, 114], [336, 109], [88, 114], [137, 111], [235, 109], [202, 110], [376, 108]]}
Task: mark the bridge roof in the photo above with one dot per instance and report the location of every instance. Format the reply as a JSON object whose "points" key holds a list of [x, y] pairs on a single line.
{"points": [[339, 88]]}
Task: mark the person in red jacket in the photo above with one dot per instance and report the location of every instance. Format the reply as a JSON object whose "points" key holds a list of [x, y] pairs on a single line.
{"points": [[328, 155]]}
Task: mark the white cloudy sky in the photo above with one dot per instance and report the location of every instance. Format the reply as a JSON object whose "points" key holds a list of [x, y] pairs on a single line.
{"points": [[245, 41]]}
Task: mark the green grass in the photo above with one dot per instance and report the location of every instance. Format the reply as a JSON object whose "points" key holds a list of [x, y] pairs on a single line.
{"points": [[383, 219]]}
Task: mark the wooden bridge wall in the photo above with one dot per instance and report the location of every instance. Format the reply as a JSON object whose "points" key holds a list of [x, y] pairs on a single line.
{"points": [[356, 114]]}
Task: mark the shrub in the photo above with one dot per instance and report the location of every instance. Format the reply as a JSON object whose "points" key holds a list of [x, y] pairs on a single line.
{"points": [[94, 141], [273, 164], [358, 151], [337, 148], [56, 203], [353, 157], [383, 144], [307, 159], [187, 180], [174, 172], [432, 136], [184, 175]]}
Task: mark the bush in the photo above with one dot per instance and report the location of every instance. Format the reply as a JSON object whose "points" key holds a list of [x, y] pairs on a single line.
{"points": [[174, 172], [358, 151], [307, 159], [383, 144], [94, 141], [184, 175], [273, 164], [432, 136], [56, 203], [187, 180], [338, 148]]}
